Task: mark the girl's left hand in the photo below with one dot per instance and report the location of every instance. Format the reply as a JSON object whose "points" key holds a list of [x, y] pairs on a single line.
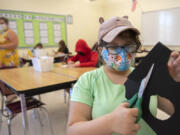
{"points": [[77, 64], [174, 65]]}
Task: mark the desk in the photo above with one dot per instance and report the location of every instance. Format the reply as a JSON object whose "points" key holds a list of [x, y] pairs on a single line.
{"points": [[72, 72], [27, 82]]}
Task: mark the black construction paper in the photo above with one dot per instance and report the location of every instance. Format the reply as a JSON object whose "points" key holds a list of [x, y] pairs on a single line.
{"points": [[160, 83]]}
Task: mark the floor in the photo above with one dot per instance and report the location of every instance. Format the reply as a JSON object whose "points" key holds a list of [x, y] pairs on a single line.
{"points": [[57, 110]]}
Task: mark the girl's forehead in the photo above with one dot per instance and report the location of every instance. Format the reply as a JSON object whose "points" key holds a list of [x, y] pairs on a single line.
{"points": [[118, 41], [121, 41]]}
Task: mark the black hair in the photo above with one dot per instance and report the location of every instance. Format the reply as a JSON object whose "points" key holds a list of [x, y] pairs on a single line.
{"points": [[128, 36], [38, 45]]}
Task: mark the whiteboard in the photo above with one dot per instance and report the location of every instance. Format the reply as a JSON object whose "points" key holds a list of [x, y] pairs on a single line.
{"points": [[162, 25]]}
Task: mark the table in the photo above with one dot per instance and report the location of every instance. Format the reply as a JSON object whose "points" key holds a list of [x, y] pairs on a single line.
{"points": [[72, 72], [27, 82]]}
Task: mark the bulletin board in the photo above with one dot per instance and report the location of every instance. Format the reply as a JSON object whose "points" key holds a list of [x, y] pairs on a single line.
{"points": [[33, 28]]}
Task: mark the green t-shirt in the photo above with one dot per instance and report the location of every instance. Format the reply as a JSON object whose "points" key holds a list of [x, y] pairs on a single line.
{"points": [[97, 90]]}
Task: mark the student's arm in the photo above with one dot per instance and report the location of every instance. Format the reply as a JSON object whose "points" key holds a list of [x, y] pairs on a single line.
{"points": [[92, 63], [12, 37], [165, 105], [174, 70], [72, 59], [121, 121]]}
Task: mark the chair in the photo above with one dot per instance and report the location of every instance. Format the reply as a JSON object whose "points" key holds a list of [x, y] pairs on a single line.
{"points": [[10, 110]]}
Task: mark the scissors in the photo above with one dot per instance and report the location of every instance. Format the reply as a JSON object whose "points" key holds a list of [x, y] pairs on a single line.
{"points": [[136, 100]]}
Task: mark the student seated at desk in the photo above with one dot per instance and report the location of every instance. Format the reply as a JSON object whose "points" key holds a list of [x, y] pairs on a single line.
{"points": [[85, 56], [8, 51], [97, 102], [31, 53], [62, 50]]}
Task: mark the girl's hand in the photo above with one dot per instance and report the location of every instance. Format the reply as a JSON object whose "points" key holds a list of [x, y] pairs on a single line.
{"points": [[77, 64], [70, 62], [124, 120], [174, 65]]}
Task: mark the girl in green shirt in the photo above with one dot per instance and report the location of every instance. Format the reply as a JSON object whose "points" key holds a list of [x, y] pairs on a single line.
{"points": [[97, 106]]}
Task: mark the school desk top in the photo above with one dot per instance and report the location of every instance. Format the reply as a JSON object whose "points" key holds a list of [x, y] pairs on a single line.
{"points": [[72, 72], [29, 82]]}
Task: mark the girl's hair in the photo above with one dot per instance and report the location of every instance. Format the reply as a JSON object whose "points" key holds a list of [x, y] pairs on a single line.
{"points": [[95, 47], [131, 37], [5, 20], [40, 45], [62, 47]]}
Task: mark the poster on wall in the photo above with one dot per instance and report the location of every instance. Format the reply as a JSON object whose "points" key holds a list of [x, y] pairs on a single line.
{"points": [[57, 33], [33, 28]]}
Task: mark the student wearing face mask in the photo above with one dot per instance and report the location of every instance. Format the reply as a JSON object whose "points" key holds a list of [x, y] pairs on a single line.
{"points": [[97, 102], [8, 45], [31, 53], [62, 48], [8, 52], [85, 56]]}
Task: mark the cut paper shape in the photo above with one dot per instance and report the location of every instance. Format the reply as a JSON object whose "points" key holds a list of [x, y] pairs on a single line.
{"points": [[163, 115], [160, 83]]}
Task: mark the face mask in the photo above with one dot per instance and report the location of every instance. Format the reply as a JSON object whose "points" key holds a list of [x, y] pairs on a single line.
{"points": [[80, 53], [119, 61], [3, 27]]}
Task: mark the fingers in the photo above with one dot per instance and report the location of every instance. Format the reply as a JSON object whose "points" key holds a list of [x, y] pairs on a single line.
{"points": [[175, 54], [173, 58], [127, 116], [134, 112], [135, 129], [125, 104], [176, 61]]}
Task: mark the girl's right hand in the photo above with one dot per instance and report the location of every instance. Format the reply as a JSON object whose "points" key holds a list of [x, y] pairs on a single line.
{"points": [[124, 120]]}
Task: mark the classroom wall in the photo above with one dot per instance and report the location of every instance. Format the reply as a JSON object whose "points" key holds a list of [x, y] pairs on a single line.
{"points": [[123, 7], [85, 15]]}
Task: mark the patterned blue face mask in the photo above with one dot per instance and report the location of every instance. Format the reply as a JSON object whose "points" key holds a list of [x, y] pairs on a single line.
{"points": [[119, 60]]}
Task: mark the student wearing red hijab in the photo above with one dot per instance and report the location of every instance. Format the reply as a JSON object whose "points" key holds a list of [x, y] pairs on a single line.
{"points": [[85, 57]]}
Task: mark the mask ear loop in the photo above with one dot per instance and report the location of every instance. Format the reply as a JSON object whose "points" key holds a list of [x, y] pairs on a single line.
{"points": [[103, 43], [133, 59]]}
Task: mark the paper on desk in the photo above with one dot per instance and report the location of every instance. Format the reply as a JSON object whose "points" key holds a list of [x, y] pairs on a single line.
{"points": [[64, 66]]}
